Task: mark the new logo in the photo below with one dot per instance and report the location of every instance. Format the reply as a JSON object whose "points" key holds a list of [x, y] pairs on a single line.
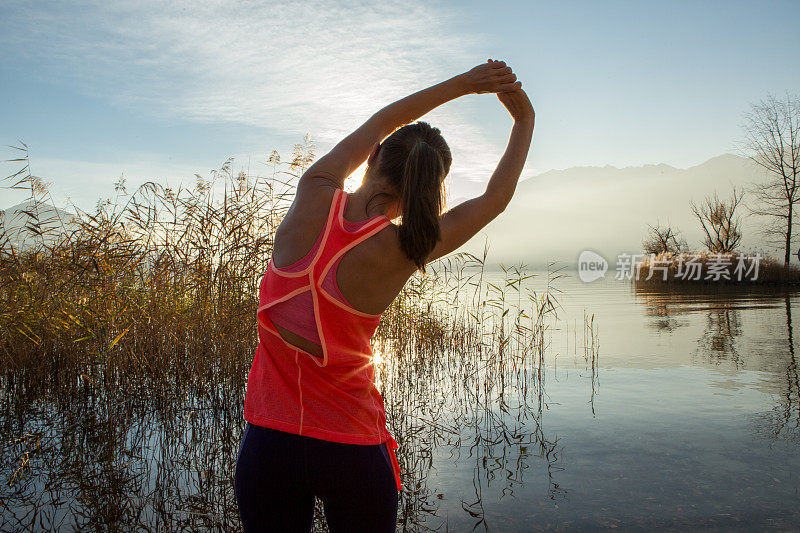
{"points": [[591, 266]]}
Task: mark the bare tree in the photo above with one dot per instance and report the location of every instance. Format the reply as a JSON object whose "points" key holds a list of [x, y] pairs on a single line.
{"points": [[662, 239], [718, 218], [772, 141]]}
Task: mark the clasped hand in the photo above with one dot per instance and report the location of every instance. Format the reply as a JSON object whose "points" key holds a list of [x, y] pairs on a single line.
{"points": [[497, 77]]}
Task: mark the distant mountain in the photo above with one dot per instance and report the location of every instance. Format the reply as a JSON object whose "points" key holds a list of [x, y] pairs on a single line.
{"points": [[558, 214], [21, 222]]}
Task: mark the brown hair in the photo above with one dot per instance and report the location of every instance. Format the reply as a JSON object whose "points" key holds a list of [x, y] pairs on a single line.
{"points": [[415, 160]]}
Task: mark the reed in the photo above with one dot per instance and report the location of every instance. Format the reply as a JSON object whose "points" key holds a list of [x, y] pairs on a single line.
{"points": [[127, 335]]}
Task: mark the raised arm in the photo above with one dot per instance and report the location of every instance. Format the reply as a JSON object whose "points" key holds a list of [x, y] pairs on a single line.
{"points": [[465, 220], [353, 150]]}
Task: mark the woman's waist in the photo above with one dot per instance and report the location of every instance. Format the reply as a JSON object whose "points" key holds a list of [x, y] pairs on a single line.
{"points": [[334, 420], [351, 358], [380, 435]]}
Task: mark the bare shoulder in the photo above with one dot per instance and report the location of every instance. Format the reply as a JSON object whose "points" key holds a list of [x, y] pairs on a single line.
{"points": [[304, 220], [311, 203], [388, 257], [313, 193]]}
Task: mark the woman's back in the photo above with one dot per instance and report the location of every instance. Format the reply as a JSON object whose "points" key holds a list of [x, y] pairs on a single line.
{"points": [[368, 277], [332, 396]]}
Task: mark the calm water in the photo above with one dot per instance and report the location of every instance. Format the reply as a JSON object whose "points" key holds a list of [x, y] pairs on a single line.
{"points": [[685, 415], [690, 419]]}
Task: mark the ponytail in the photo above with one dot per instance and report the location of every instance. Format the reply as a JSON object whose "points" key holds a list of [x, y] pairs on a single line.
{"points": [[421, 203], [415, 159]]}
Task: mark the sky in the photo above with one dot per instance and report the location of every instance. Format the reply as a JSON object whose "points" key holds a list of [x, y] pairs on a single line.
{"points": [[163, 90]]}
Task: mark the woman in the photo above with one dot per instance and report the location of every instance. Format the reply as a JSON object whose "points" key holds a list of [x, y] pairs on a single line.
{"points": [[316, 422]]}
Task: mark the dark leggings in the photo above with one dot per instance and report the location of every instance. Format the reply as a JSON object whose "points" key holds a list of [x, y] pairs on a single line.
{"points": [[278, 475]]}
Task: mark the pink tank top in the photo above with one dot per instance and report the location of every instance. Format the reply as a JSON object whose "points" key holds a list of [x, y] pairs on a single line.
{"points": [[297, 313], [334, 397]]}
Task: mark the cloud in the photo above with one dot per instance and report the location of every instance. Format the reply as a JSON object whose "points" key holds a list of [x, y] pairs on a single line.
{"points": [[290, 67]]}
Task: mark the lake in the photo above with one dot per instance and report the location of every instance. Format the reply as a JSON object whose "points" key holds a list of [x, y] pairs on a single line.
{"points": [[642, 410], [689, 420]]}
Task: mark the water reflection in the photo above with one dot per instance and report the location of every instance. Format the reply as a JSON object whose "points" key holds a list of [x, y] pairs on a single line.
{"points": [[785, 418], [723, 326], [79, 458], [768, 348], [695, 425], [123, 448]]}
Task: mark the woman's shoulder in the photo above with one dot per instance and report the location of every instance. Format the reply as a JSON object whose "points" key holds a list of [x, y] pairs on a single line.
{"points": [[303, 221], [314, 191], [310, 206], [387, 254]]}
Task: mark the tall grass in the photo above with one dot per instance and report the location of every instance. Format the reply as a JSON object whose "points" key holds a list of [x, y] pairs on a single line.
{"points": [[127, 336]]}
